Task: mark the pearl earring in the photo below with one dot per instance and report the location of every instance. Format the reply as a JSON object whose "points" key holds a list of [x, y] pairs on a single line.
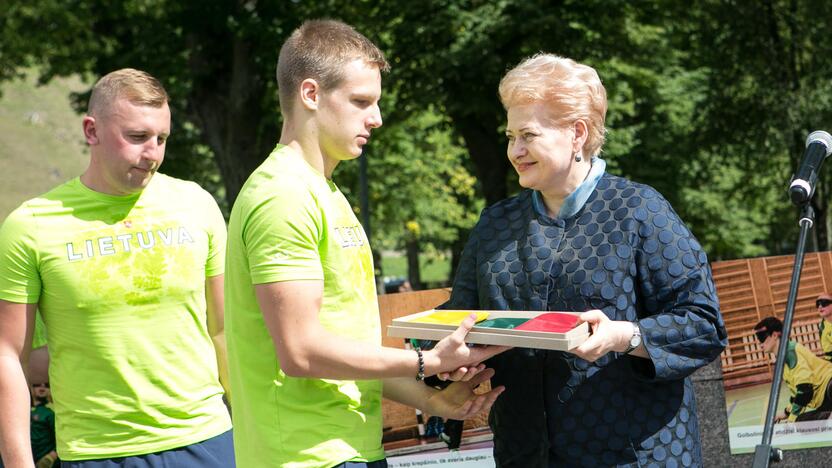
{"points": [[578, 157]]}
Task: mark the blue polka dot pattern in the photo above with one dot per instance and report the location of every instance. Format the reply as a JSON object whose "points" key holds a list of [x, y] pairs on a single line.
{"points": [[627, 253]]}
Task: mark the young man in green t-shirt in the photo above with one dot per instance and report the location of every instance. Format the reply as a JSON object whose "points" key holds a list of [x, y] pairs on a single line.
{"points": [[126, 267], [809, 377], [304, 336]]}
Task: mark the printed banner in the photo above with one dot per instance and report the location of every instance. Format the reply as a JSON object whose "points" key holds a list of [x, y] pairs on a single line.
{"points": [[477, 458], [752, 295]]}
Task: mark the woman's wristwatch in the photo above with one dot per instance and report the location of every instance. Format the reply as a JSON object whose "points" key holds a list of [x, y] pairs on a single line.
{"points": [[635, 340]]}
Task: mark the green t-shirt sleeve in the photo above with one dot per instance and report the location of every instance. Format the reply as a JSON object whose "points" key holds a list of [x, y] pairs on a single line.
{"points": [[215, 263], [19, 277], [39, 337], [282, 235]]}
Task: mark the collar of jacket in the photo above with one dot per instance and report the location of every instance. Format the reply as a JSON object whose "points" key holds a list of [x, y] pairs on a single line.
{"points": [[576, 200]]}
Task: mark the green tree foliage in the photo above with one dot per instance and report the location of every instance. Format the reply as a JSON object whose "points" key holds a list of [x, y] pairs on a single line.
{"points": [[767, 87], [421, 193], [709, 102]]}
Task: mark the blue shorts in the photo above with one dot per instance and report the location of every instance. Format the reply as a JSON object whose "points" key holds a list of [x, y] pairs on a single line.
{"points": [[374, 464], [216, 452]]}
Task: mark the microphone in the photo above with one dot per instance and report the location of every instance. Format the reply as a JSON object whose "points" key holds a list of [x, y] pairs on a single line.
{"points": [[818, 147]]}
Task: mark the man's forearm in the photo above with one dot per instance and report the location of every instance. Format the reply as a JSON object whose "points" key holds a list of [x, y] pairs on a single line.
{"points": [[408, 391], [222, 362], [14, 414]]}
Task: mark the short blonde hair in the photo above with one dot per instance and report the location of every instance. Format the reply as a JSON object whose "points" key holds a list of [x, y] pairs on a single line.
{"points": [[138, 87], [571, 90], [319, 49]]}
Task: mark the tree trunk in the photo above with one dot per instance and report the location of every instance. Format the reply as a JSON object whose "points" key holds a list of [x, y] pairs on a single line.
{"points": [[487, 152], [413, 272], [820, 205], [230, 115], [456, 250]]}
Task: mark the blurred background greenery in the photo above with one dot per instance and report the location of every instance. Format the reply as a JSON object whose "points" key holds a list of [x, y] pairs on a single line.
{"points": [[709, 102]]}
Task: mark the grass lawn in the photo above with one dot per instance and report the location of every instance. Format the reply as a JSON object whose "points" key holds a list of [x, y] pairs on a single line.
{"points": [[432, 270], [41, 141]]}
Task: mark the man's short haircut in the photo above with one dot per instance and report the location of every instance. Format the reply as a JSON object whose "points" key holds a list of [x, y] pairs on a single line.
{"points": [[138, 87], [319, 49], [571, 91], [769, 325]]}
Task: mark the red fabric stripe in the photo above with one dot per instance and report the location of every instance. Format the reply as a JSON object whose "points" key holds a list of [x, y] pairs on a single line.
{"points": [[557, 322]]}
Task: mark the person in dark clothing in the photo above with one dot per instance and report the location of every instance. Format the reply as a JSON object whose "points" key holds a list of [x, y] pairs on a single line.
{"points": [[580, 239], [42, 428]]}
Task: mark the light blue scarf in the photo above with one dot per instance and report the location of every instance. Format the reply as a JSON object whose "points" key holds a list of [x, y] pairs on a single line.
{"points": [[576, 200]]}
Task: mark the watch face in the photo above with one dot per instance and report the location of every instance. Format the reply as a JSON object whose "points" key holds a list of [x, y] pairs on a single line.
{"points": [[635, 340]]}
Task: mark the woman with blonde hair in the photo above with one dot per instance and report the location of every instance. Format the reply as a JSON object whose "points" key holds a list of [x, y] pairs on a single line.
{"points": [[580, 239]]}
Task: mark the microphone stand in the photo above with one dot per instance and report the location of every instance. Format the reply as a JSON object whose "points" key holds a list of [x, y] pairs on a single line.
{"points": [[764, 453]]}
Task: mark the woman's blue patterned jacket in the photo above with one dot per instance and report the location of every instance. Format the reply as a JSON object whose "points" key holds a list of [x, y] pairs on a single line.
{"points": [[626, 252]]}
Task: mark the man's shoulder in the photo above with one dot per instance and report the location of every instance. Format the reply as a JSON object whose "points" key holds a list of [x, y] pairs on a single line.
{"points": [[43, 203], [280, 177]]}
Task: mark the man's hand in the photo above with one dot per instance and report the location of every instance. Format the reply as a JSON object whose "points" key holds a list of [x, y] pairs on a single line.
{"points": [[452, 357], [47, 460], [458, 400], [781, 417], [461, 374]]}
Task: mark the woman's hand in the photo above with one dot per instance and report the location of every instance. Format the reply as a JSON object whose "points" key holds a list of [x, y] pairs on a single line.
{"points": [[458, 400], [607, 335]]}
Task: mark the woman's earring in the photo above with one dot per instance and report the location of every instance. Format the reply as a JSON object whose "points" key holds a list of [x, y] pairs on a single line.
{"points": [[578, 157]]}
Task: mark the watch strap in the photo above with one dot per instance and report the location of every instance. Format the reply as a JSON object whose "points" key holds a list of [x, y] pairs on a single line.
{"points": [[635, 339]]}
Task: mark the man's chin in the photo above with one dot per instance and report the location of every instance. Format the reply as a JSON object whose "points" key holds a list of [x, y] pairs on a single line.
{"points": [[355, 154], [147, 176], [135, 185]]}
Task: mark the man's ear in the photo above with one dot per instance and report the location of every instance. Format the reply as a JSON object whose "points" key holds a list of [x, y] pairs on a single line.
{"points": [[310, 94], [90, 130]]}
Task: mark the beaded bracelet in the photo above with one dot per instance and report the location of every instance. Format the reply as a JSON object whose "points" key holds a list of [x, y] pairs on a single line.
{"points": [[420, 376]]}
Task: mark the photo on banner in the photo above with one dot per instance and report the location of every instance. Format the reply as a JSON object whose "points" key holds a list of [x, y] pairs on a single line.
{"points": [[753, 295]]}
